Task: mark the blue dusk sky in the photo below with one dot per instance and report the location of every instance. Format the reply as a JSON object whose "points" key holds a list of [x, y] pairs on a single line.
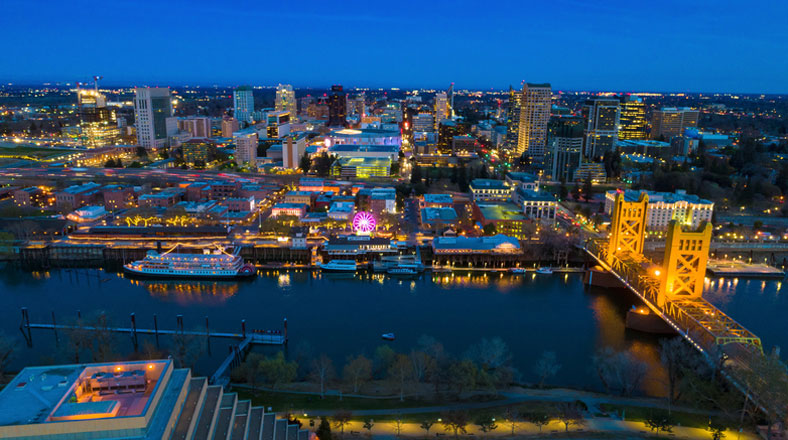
{"points": [[667, 45]]}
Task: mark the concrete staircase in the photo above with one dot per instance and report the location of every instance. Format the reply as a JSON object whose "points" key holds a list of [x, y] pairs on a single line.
{"points": [[208, 413]]}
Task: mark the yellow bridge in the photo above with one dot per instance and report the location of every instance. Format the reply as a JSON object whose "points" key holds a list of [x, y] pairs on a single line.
{"points": [[673, 288]]}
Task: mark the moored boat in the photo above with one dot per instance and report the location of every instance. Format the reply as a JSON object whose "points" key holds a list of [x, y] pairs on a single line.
{"points": [[387, 336], [338, 266], [214, 263], [544, 270], [517, 270]]}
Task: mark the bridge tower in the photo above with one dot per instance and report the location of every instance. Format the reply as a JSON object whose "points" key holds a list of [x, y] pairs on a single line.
{"points": [[628, 227], [684, 265]]}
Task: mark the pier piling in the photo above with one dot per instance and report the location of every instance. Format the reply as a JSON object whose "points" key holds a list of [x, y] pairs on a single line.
{"points": [[134, 330]]}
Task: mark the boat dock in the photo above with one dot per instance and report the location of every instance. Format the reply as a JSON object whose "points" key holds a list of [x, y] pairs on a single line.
{"points": [[732, 268]]}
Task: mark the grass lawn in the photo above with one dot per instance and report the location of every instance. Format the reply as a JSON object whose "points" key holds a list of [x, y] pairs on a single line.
{"points": [[31, 151], [638, 413]]}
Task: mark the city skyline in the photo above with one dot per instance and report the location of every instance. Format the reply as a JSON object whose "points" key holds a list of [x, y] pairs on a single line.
{"points": [[674, 48]]}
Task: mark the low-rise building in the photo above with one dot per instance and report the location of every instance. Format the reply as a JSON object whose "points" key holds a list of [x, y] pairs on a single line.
{"points": [[525, 181], [438, 217], [490, 190], [436, 201], [76, 196], [496, 244], [291, 209], [507, 218], [536, 205], [162, 199], [361, 167], [300, 197], [118, 197], [31, 196]]}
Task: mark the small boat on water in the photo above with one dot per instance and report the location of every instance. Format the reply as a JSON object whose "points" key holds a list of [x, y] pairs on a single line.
{"points": [[339, 266], [387, 336], [517, 270], [544, 270]]}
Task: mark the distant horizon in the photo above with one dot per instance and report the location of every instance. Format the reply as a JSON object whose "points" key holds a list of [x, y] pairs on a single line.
{"points": [[30, 83], [671, 46]]}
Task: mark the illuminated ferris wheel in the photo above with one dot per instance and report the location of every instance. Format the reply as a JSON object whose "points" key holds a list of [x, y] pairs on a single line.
{"points": [[364, 223]]}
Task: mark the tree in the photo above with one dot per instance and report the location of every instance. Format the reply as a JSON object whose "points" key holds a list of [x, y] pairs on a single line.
{"points": [[357, 371], [547, 366], [141, 152], [512, 417], [186, 349], [538, 419], [341, 419], [717, 429], [384, 357], [322, 371], [463, 375], [486, 424], [588, 189], [576, 192], [426, 425], [398, 425], [493, 358], [563, 192], [619, 371], [368, 424], [677, 357], [569, 414], [324, 429], [456, 422], [489, 229], [249, 371], [415, 174], [7, 344], [659, 423], [277, 370], [305, 164], [400, 373]]}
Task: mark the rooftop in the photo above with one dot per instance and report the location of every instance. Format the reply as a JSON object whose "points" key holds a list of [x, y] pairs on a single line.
{"points": [[78, 392], [501, 211], [442, 199], [488, 184], [631, 195], [442, 214], [495, 243]]}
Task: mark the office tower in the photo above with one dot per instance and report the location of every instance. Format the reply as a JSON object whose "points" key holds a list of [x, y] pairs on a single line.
{"points": [[447, 130], [293, 149], [243, 104], [304, 103], [534, 115], [197, 126], [356, 105], [152, 108], [97, 124], [601, 117], [671, 121], [632, 122], [512, 120], [337, 107], [197, 151], [441, 108], [229, 126], [423, 122], [245, 146], [286, 100], [450, 97], [278, 124], [564, 147]]}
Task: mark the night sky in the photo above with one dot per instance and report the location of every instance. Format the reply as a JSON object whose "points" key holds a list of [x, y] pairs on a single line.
{"points": [[689, 45]]}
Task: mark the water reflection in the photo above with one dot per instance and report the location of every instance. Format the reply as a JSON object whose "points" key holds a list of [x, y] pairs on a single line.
{"points": [[191, 292]]}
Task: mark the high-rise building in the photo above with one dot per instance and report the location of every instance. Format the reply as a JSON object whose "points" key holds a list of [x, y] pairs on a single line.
{"points": [[229, 126], [286, 100], [441, 108], [97, 124], [601, 117], [197, 126], [278, 124], [245, 146], [337, 107], [671, 121], [512, 120], [243, 104], [152, 108], [293, 149], [357, 104], [564, 147], [450, 102], [196, 151], [632, 122], [423, 122], [534, 115]]}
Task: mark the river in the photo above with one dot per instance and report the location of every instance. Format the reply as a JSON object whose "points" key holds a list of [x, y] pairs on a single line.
{"points": [[341, 316]]}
